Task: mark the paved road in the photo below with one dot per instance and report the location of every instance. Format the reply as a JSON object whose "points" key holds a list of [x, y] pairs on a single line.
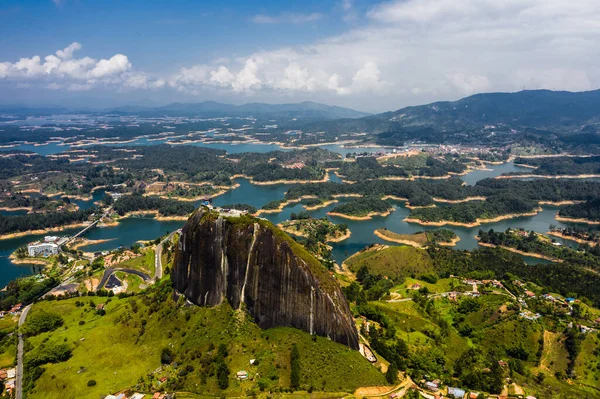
{"points": [[158, 269], [19, 382], [108, 272]]}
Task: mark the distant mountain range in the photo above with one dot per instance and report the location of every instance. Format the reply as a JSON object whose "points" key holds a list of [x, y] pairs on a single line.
{"points": [[557, 111], [541, 109], [306, 110]]}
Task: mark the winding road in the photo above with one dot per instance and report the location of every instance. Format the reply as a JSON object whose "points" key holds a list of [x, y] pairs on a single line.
{"points": [[19, 381], [108, 272]]}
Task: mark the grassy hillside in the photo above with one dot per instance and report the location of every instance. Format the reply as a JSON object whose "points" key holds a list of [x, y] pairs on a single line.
{"points": [[124, 348], [396, 262]]}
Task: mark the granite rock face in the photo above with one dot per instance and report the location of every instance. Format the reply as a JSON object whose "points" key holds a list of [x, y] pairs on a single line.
{"points": [[245, 260]]}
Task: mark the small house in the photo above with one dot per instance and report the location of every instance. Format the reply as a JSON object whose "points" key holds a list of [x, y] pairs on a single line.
{"points": [[432, 386], [242, 375], [100, 306], [456, 392]]}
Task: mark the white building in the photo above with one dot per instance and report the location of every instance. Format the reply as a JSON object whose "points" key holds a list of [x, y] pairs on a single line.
{"points": [[42, 249]]}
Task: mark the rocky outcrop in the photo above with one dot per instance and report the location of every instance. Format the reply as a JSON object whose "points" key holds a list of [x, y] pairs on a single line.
{"points": [[249, 262]]}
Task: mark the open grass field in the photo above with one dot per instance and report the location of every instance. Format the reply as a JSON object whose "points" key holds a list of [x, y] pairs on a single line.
{"points": [[122, 349], [554, 357], [396, 262]]}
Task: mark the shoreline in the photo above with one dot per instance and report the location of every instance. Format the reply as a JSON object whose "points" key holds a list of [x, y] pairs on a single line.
{"points": [[516, 251], [85, 243], [155, 215], [369, 216], [529, 176], [29, 261], [379, 234], [478, 222], [560, 203], [325, 179], [467, 199], [319, 206], [575, 239], [575, 220], [284, 204]]}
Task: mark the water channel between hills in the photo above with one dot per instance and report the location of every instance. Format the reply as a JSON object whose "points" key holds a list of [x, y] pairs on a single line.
{"points": [[134, 229]]}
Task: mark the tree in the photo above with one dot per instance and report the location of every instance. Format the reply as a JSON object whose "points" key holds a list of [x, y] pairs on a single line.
{"points": [[166, 356], [223, 374], [391, 375], [295, 367]]}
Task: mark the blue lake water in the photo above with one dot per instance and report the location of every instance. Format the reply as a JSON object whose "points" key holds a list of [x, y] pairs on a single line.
{"points": [[133, 229]]}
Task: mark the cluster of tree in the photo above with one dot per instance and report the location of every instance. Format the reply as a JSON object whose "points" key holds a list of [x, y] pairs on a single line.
{"points": [[421, 193], [37, 204], [36, 221], [192, 191], [469, 212], [554, 166], [589, 210], [573, 345], [25, 291], [193, 163], [363, 206], [532, 243], [45, 353], [440, 235], [166, 207], [302, 215], [42, 321], [541, 189], [369, 168], [478, 369]]}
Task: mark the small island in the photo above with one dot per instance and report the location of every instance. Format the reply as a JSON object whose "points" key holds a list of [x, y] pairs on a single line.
{"points": [[315, 234], [362, 209], [303, 225], [420, 239], [472, 214]]}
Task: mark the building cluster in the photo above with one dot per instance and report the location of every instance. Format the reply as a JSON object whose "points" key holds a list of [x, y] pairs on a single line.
{"points": [[295, 165], [49, 246], [15, 310], [157, 395], [434, 390], [8, 378]]}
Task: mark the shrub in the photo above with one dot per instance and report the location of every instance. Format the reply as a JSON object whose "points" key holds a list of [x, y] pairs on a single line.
{"points": [[91, 383]]}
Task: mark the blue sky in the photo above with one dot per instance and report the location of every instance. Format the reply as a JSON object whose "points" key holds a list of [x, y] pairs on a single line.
{"points": [[372, 56]]}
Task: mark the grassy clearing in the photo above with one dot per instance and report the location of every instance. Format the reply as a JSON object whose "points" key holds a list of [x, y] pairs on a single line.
{"points": [[122, 348], [395, 262], [144, 263], [554, 357]]}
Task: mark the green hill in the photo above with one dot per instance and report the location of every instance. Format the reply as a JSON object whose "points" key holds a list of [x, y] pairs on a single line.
{"points": [[395, 262], [125, 347]]}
